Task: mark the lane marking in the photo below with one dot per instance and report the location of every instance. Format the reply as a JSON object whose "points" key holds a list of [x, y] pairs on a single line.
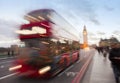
{"points": [[2, 66], [68, 68], [6, 62], [1, 78], [82, 71], [7, 57], [65, 71], [79, 61]]}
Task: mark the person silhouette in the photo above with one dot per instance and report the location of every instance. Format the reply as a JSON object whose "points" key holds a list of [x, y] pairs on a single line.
{"points": [[114, 57]]}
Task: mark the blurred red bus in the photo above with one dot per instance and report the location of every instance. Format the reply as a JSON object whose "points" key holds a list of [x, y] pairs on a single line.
{"points": [[44, 50]]}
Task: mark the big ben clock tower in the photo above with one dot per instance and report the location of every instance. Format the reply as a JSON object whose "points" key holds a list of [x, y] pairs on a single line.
{"points": [[85, 39]]}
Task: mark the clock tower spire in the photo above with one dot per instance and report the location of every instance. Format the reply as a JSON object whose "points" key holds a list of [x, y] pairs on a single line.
{"points": [[85, 39]]}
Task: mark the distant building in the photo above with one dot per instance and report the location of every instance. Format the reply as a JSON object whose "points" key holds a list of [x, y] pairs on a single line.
{"points": [[14, 49], [108, 42], [3, 51]]}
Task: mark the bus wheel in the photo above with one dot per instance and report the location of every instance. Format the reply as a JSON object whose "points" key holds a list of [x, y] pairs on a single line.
{"points": [[77, 57], [65, 63]]}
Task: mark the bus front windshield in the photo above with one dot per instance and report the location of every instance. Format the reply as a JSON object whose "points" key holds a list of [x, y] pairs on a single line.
{"points": [[40, 45], [36, 43], [45, 46]]}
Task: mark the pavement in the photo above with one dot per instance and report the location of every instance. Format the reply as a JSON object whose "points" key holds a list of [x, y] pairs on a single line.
{"points": [[99, 71]]}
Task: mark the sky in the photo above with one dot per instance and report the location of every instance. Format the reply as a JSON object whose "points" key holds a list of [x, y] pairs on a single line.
{"points": [[101, 17]]}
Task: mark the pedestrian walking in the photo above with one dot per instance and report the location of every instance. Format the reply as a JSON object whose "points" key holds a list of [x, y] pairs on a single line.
{"points": [[104, 53], [114, 57]]}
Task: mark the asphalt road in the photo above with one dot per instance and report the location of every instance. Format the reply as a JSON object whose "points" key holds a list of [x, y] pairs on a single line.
{"points": [[73, 74]]}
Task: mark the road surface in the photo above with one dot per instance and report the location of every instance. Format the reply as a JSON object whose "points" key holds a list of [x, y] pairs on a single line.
{"points": [[73, 74]]}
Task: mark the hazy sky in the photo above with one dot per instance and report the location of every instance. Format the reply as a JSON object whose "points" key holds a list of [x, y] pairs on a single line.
{"points": [[101, 17]]}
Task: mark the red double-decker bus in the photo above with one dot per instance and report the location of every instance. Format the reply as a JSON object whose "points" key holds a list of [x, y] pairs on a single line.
{"points": [[46, 47]]}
